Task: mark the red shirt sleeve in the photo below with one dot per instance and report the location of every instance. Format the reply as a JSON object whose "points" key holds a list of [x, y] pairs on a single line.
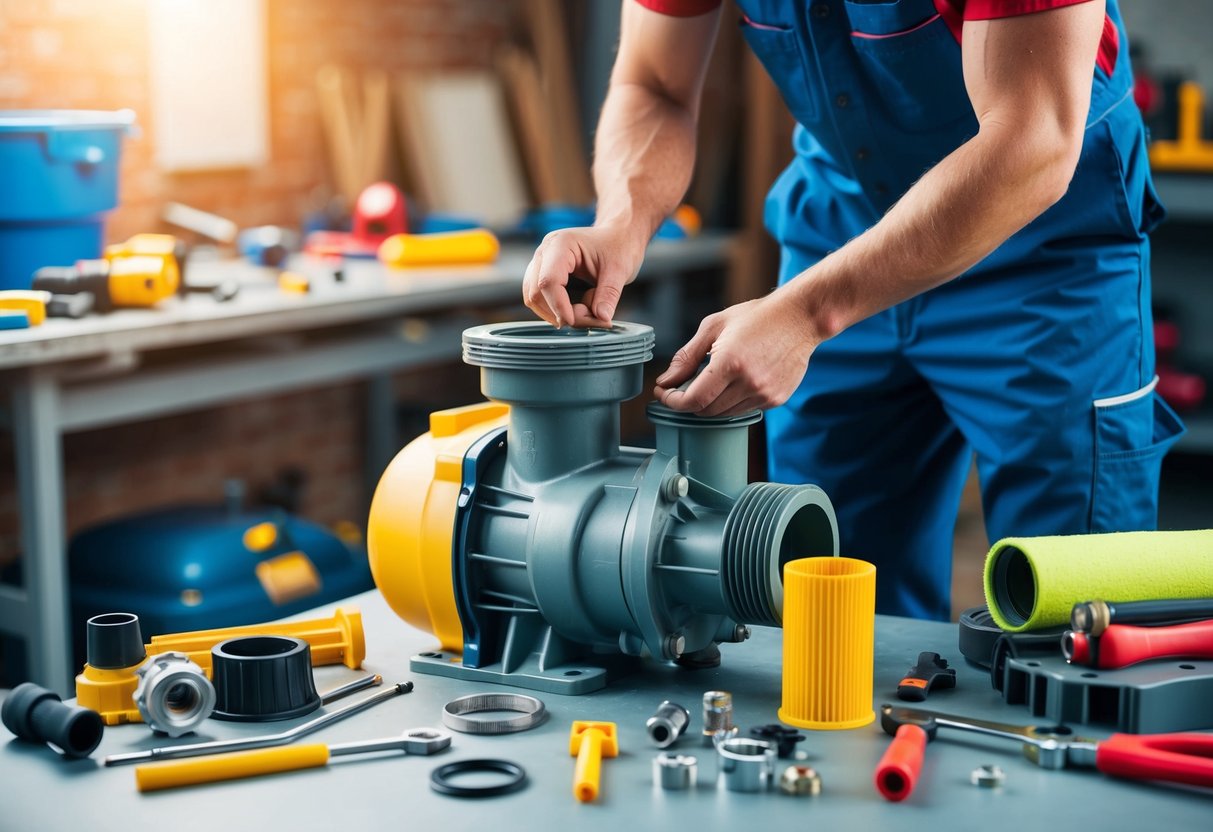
{"points": [[994, 9], [680, 8]]}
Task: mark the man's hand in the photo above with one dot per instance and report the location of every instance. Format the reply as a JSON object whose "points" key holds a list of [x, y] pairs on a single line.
{"points": [[604, 258], [759, 351], [643, 155]]}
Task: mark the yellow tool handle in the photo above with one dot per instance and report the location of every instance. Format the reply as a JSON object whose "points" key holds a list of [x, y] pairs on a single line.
{"points": [[589, 767], [169, 775], [447, 248]]}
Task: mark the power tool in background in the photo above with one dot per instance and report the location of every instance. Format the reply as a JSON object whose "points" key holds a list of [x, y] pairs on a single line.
{"points": [[137, 273]]}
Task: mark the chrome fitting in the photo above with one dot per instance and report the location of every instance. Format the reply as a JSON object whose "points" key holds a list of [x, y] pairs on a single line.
{"points": [[745, 765], [667, 724], [717, 715], [675, 772], [173, 694], [989, 777], [800, 781]]}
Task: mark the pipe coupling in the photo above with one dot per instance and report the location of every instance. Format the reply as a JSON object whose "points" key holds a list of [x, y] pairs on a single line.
{"points": [[746, 765], [173, 694], [674, 771], [667, 724]]}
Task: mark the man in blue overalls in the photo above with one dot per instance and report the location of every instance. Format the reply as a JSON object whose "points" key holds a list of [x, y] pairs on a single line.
{"points": [[965, 265]]}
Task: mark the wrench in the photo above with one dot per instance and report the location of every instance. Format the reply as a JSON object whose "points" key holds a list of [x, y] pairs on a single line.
{"points": [[422, 741]]}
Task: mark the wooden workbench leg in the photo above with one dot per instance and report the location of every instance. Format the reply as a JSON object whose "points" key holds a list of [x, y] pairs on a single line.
{"points": [[41, 495]]}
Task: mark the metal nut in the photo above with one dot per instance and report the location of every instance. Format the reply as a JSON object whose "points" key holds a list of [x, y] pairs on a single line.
{"points": [[990, 777], [674, 771], [173, 694], [745, 765], [677, 487], [800, 781]]}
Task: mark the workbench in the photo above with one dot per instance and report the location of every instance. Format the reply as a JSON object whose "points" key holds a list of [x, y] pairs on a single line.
{"points": [[193, 353], [44, 792]]}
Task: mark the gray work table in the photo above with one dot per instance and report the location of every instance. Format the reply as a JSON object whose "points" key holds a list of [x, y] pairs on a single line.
{"points": [[393, 792], [186, 354]]}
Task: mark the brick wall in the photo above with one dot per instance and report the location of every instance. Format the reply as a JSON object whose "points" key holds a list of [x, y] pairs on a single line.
{"points": [[93, 55]]}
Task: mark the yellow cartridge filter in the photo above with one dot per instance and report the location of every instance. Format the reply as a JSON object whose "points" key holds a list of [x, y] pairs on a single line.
{"points": [[829, 620]]}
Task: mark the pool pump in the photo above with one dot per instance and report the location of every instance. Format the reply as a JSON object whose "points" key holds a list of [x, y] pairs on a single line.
{"points": [[542, 554]]}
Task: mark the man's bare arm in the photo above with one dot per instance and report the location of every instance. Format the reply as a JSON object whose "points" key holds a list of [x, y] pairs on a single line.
{"points": [[644, 154]]}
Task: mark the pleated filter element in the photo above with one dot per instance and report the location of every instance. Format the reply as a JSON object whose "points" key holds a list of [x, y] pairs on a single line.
{"points": [[829, 621]]}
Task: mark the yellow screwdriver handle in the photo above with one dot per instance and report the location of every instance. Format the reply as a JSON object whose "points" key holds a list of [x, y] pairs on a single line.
{"points": [[588, 771], [169, 775]]}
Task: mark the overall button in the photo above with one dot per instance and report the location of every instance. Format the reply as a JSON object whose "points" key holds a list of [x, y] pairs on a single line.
{"points": [[842, 100], [821, 10], [862, 153], [881, 189]]}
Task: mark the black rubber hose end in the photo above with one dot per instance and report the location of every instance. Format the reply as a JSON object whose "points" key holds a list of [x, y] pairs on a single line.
{"points": [[36, 714], [114, 641]]}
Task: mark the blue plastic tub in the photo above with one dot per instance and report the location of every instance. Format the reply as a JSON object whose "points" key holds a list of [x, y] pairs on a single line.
{"points": [[58, 178]]}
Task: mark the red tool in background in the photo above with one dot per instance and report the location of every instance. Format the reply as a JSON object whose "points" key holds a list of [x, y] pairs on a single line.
{"points": [[378, 214], [1121, 645], [1183, 391], [1173, 758]]}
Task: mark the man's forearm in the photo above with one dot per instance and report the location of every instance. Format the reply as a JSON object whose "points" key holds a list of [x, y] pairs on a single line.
{"points": [[1029, 78], [644, 155], [952, 218]]}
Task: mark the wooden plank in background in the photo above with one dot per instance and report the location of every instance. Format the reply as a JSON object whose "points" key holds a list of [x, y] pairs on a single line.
{"points": [[460, 146], [549, 33], [521, 78]]}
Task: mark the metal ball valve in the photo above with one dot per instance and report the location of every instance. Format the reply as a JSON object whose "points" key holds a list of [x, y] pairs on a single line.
{"points": [[541, 553]]}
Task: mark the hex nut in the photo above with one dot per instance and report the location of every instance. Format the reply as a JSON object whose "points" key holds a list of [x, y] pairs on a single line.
{"points": [[990, 776], [800, 781]]}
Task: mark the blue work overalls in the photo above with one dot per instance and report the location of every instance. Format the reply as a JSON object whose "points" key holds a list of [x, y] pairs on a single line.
{"points": [[1040, 359]]}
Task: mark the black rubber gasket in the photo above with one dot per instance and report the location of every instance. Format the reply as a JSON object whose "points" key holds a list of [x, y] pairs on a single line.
{"points": [[440, 778]]}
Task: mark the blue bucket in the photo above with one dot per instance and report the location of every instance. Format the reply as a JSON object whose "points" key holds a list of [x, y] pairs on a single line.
{"points": [[58, 178]]}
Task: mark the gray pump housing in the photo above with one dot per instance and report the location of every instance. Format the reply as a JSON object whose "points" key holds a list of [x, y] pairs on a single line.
{"points": [[571, 553]]}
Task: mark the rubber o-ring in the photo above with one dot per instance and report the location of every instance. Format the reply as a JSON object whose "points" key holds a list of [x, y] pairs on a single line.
{"points": [[440, 778]]}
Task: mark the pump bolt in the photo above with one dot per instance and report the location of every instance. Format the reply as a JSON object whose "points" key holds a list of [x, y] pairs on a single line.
{"points": [[741, 633], [677, 487], [675, 644]]}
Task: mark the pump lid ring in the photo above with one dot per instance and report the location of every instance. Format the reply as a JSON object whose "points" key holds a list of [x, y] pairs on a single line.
{"points": [[535, 345], [532, 713]]}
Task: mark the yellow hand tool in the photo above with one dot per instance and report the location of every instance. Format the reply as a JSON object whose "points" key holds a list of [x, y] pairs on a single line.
{"points": [[1188, 152], [32, 303], [448, 248], [589, 742], [150, 778]]}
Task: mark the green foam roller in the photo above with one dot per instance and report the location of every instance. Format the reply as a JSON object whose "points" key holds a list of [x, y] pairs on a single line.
{"points": [[1034, 582]]}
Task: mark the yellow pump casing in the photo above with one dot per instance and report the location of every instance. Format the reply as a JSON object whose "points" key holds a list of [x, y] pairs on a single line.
{"points": [[412, 520]]}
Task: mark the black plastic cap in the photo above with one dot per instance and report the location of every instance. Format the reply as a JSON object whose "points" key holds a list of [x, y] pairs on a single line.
{"points": [[263, 678], [114, 641], [36, 714]]}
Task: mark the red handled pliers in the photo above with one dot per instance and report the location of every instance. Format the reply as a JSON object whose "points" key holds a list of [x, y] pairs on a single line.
{"points": [[1174, 758]]}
